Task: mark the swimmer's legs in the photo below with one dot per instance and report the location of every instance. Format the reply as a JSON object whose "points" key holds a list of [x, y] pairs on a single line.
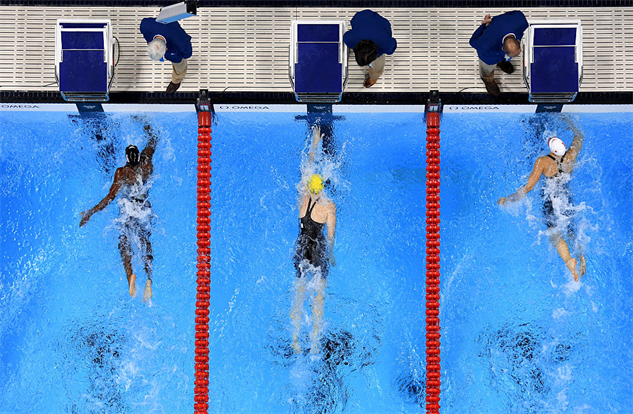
{"points": [[563, 252], [582, 262], [295, 314], [126, 257], [583, 266], [147, 294], [148, 259], [317, 311]]}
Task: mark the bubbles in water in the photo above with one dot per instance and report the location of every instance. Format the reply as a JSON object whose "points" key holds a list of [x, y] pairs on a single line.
{"points": [[95, 379], [524, 363], [412, 388]]}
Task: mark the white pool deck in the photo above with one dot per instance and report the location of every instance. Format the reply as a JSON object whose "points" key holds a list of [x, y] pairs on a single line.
{"points": [[246, 49]]}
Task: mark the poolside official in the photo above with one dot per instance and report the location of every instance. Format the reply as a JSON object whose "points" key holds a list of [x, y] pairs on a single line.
{"points": [[371, 40], [498, 40], [171, 42]]}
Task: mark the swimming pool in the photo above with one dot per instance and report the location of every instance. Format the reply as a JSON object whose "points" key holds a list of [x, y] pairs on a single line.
{"points": [[518, 334]]}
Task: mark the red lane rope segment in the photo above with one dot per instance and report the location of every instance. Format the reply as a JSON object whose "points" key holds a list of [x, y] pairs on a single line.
{"points": [[201, 389], [433, 369]]}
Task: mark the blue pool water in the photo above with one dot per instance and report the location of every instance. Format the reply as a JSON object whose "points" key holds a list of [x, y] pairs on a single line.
{"points": [[518, 334]]}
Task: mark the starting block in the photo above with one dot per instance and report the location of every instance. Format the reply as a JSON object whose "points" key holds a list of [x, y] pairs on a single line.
{"points": [[552, 60], [84, 65], [318, 60]]}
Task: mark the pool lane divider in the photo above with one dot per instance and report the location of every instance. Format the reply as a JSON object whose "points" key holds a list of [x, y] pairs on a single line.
{"points": [[433, 368], [203, 296]]}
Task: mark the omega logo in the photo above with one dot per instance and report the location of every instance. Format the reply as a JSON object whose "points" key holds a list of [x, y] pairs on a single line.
{"points": [[258, 108], [480, 108], [19, 106]]}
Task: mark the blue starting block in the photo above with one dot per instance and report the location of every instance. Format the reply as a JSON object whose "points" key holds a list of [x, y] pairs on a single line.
{"points": [[318, 60], [84, 65], [552, 60]]}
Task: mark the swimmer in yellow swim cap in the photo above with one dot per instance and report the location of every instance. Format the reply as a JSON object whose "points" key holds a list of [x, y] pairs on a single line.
{"points": [[315, 185], [313, 254]]}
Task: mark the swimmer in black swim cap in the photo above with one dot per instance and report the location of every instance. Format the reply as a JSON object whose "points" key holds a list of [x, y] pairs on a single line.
{"points": [[138, 169], [132, 155]]}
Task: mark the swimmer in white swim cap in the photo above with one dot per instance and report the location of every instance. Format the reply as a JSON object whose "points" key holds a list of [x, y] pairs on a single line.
{"points": [[557, 146], [556, 167]]}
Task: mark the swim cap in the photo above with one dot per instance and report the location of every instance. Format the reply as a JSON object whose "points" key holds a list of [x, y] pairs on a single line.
{"points": [[557, 146], [132, 155], [316, 184]]}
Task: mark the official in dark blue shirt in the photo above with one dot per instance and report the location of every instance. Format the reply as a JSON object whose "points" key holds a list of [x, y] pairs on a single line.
{"points": [[371, 40], [498, 40], [171, 42]]}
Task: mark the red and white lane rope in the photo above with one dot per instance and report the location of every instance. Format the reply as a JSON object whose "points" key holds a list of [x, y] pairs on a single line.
{"points": [[201, 390], [433, 373]]}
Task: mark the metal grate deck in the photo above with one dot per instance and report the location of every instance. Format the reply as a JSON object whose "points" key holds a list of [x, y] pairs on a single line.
{"points": [[246, 49]]}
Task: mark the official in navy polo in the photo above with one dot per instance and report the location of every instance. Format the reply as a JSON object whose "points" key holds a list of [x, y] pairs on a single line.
{"points": [[371, 40], [168, 41], [498, 40]]}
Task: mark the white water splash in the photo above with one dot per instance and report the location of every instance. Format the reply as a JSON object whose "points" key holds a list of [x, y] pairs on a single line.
{"points": [[560, 313]]}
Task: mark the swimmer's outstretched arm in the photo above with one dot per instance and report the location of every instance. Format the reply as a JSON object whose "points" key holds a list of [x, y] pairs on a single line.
{"points": [[316, 138], [149, 149], [114, 190], [576, 144], [535, 175]]}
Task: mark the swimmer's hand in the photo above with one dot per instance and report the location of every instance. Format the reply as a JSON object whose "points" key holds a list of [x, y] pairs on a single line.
{"points": [[332, 260], [502, 201], [487, 20], [84, 218]]}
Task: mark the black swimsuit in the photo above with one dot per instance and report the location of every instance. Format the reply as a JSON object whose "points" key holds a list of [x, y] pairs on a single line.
{"points": [[311, 244], [561, 193]]}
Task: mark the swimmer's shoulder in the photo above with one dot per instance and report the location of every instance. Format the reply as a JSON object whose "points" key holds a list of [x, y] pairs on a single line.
{"points": [[120, 172], [125, 174], [329, 205], [548, 166], [545, 161]]}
